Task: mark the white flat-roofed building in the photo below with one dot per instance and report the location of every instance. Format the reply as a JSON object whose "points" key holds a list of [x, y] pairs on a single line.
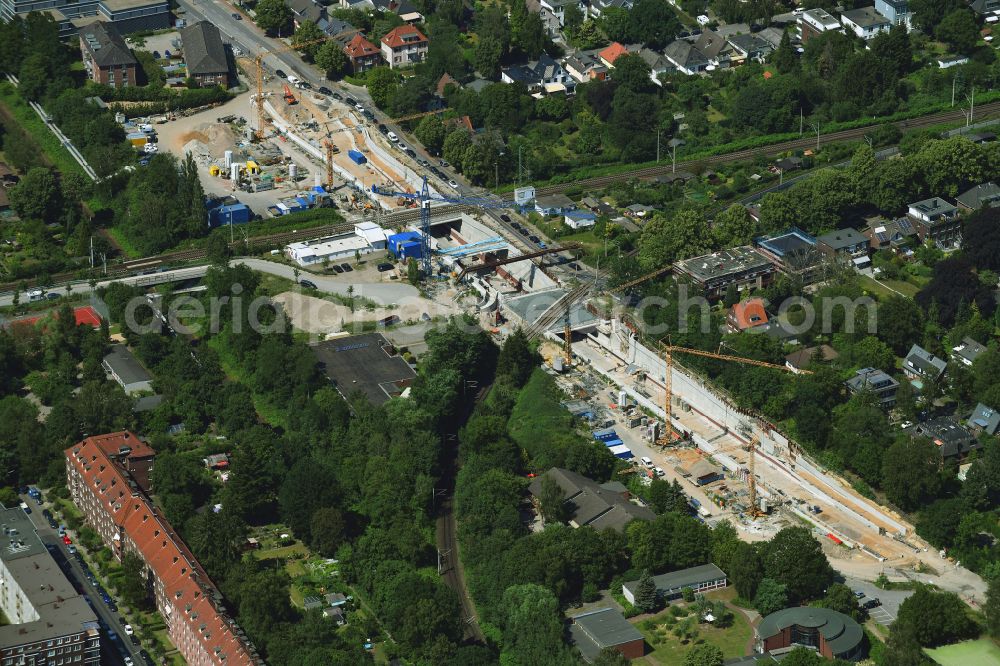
{"points": [[865, 22], [368, 237]]}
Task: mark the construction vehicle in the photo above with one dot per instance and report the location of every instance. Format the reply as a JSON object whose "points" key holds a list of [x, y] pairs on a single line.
{"points": [[259, 66], [289, 97]]}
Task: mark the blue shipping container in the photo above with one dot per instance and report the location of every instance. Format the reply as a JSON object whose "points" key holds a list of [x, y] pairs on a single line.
{"points": [[356, 156], [225, 215]]}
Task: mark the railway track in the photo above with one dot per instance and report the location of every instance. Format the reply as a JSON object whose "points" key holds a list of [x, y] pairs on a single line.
{"points": [[139, 266], [773, 149]]}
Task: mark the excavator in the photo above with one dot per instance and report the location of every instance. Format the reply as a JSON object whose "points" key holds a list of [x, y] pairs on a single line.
{"points": [[289, 97]]}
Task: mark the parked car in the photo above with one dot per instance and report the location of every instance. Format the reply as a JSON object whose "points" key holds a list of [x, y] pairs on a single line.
{"points": [[383, 267], [453, 184], [72, 549], [66, 539], [53, 296], [383, 129], [128, 629], [25, 507], [392, 136], [523, 231], [534, 239], [347, 268], [411, 152], [324, 90], [350, 101], [280, 73], [506, 218], [237, 16], [337, 96], [871, 603], [308, 284], [859, 594], [337, 269]]}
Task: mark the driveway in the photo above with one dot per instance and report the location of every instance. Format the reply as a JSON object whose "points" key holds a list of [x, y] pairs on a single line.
{"points": [[891, 599]]}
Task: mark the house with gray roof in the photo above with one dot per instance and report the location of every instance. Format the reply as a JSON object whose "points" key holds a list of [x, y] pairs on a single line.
{"points": [[749, 47], [585, 66], [658, 64], [597, 7], [921, 364], [984, 419], [951, 437], [605, 628], [865, 22], [843, 243], [671, 585], [715, 47], [876, 381], [982, 195], [125, 369], [205, 54], [601, 506], [538, 75], [967, 351], [686, 57]]}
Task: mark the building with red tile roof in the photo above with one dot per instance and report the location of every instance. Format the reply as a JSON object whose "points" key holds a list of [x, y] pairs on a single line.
{"points": [[363, 54], [612, 53], [127, 520], [404, 45], [746, 315]]}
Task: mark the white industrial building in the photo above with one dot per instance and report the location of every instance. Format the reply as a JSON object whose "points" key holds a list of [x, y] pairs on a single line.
{"points": [[368, 237]]}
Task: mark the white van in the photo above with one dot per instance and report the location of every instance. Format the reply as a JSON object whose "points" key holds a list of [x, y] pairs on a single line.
{"points": [[648, 462], [392, 137], [36, 295], [294, 80]]}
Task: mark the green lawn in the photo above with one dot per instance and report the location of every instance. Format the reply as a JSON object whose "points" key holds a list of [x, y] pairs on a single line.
{"points": [[29, 121], [907, 288], [669, 651], [982, 652], [874, 288], [124, 243]]}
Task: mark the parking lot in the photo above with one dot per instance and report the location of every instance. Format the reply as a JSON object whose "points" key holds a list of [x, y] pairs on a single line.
{"points": [[891, 600]]}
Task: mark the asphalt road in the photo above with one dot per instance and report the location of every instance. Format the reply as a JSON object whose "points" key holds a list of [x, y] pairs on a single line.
{"points": [[891, 599], [71, 567]]}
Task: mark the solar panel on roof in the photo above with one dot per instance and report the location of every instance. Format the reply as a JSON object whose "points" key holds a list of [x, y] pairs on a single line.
{"points": [[904, 225], [882, 237]]}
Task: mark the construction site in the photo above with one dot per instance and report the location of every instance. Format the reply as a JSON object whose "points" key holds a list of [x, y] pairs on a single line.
{"points": [[280, 149]]}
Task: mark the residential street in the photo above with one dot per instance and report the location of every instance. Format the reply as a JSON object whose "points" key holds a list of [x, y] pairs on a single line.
{"points": [[71, 567]]}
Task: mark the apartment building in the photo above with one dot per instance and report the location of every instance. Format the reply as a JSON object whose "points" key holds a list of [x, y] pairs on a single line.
{"points": [[49, 622], [128, 521], [404, 46]]}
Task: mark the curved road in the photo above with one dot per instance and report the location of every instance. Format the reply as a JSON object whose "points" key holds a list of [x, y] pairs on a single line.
{"points": [[383, 294]]}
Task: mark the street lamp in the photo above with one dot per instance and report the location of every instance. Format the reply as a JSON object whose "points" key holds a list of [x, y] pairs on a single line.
{"points": [[815, 126], [673, 143]]}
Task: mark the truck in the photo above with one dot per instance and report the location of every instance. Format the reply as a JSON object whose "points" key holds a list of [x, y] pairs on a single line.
{"points": [[356, 156], [138, 139]]}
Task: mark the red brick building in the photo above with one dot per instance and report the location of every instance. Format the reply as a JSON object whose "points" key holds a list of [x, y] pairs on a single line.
{"points": [[363, 54], [106, 57], [115, 505], [605, 628]]}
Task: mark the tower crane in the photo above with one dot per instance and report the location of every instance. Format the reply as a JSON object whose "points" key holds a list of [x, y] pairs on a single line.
{"points": [[751, 447], [668, 352], [424, 198]]}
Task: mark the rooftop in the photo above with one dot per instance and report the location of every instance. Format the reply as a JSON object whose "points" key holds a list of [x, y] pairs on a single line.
{"points": [[122, 5], [605, 627], [724, 263], [951, 438], [678, 580], [590, 503], [934, 206], [748, 314], [53, 607], [842, 238], [204, 52], [968, 351], [126, 366], [106, 45], [985, 418], [984, 194], [366, 363], [841, 633], [803, 358], [866, 17], [793, 241], [871, 379], [404, 35], [924, 363], [531, 306]]}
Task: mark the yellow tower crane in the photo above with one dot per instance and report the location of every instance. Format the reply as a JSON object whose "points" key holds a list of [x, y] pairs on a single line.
{"points": [[668, 352]]}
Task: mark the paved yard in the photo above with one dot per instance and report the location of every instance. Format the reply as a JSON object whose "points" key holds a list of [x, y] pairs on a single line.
{"points": [[891, 599]]}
